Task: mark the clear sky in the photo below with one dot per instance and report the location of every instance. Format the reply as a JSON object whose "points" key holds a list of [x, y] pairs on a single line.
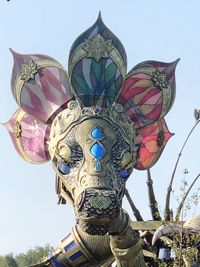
{"points": [[159, 30]]}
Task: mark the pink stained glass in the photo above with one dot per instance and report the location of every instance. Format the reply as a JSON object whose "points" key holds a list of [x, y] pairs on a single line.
{"points": [[148, 92], [48, 89], [32, 139], [151, 141]]}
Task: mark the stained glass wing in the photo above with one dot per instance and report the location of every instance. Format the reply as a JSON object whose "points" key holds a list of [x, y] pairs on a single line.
{"points": [[40, 85], [151, 141], [97, 66], [29, 136], [148, 92]]}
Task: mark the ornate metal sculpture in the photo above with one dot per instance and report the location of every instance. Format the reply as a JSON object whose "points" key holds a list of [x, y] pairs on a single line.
{"points": [[95, 126]]}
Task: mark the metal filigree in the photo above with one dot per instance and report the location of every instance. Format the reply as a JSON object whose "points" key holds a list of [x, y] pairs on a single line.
{"points": [[98, 47], [29, 71], [159, 79], [96, 125], [100, 202], [17, 130], [73, 115], [161, 138]]}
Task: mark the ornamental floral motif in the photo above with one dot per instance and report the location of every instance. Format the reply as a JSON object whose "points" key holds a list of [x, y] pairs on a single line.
{"points": [[17, 129], [100, 202], [28, 71], [159, 79], [98, 47]]}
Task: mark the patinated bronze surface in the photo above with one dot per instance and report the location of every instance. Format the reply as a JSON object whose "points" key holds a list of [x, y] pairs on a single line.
{"points": [[96, 123]]}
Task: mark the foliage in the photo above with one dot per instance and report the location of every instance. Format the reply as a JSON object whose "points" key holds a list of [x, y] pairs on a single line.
{"points": [[185, 246], [186, 250], [8, 261], [30, 257]]}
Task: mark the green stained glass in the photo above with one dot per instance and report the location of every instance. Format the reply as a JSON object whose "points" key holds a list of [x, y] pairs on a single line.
{"points": [[110, 72], [81, 84], [96, 69]]}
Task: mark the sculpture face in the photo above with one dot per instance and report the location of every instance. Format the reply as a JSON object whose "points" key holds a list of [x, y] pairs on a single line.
{"points": [[93, 161], [89, 120], [96, 123]]}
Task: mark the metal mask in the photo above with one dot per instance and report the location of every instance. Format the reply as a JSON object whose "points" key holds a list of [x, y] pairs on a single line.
{"points": [[93, 156], [96, 123]]}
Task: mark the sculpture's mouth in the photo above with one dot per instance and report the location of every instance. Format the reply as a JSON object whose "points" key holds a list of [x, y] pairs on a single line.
{"points": [[96, 209]]}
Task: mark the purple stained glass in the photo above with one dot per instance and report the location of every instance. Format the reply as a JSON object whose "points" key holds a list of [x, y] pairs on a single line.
{"points": [[46, 91], [31, 142]]}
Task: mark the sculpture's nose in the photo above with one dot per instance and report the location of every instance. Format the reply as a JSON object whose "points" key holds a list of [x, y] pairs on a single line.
{"points": [[90, 177], [97, 182]]}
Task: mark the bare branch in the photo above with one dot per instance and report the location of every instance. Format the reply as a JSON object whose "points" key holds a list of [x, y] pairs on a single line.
{"points": [[136, 212], [178, 212], [169, 189], [153, 204]]}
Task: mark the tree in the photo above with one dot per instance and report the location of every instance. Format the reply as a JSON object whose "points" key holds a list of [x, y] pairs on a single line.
{"points": [[8, 261], [32, 256]]}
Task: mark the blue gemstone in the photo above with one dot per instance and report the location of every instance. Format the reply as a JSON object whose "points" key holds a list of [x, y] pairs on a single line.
{"points": [[97, 133], [63, 168], [97, 151], [98, 166], [124, 173]]}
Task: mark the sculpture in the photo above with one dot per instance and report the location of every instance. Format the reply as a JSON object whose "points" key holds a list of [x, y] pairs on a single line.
{"points": [[96, 124]]}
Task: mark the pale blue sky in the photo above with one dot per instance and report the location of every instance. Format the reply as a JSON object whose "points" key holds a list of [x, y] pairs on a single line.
{"points": [[159, 30]]}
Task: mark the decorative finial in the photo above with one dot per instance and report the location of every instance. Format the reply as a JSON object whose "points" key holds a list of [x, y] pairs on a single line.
{"points": [[29, 71]]}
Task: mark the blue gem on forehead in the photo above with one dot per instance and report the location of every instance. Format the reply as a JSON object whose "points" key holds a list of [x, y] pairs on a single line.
{"points": [[98, 166], [97, 133], [97, 151]]}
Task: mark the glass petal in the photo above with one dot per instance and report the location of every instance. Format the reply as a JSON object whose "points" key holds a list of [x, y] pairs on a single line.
{"points": [[151, 141], [38, 88], [30, 137], [97, 66], [148, 92]]}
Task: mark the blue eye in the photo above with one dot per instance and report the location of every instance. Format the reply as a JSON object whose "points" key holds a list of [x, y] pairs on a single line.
{"points": [[63, 167], [124, 173]]}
